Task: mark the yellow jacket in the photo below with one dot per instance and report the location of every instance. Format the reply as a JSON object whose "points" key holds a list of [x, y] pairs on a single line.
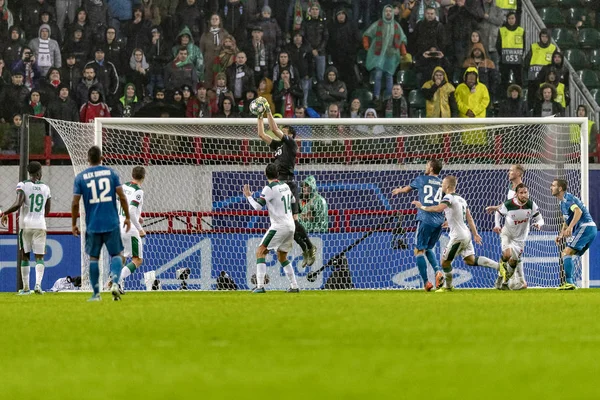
{"points": [[476, 100]]}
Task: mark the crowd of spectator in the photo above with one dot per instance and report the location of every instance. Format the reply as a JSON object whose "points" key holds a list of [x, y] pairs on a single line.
{"points": [[76, 60]]}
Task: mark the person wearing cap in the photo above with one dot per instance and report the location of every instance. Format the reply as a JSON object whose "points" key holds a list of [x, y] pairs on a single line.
{"points": [[272, 36], [70, 72], [12, 97], [63, 107], [46, 50], [94, 108], [260, 56], [106, 73]]}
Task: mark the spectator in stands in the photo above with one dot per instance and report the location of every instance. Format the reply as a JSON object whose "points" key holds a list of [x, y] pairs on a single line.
{"points": [[428, 62], [177, 101], [65, 14], [139, 73], [97, 11], [461, 23], [12, 49], [4, 75], [12, 136], [562, 95], [120, 13], [333, 111], [88, 81], [343, 45], [180, 71], [558, 63], [49, 85], [265, 89], [194, 56], [582, 112], [513, 105], [235, 20], [511, 46], [546, 104], [76, 46], [296, 12], [47, 19], [46, 50], [472, 97], [158, 56], [221, 88], [488, 74], [539, 54], [332, 90], [151, 12], [186, 92], [396, 106], [64, 108], [191, 15], [6, 20], [301, 57], [198, 107], [33, 105], [227, 110], [227, 55], [71, 74], [355, 109], [317, 36], [31, 16], [371, 129], [283, 62], [314, 215], [493, 18], [272, 36], [94, 108], [138, 32], [129, 104], [106, 73], [81, 22], [286, 93], [244, 106], [429, 32], [240, 77], [115, 52], [28, 67], [211, 44], [385, 43], [418, 11], [260, 56], [439, 93]]}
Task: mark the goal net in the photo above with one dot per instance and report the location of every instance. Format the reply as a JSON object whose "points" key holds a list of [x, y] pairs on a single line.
{"points": [[203, 234]]}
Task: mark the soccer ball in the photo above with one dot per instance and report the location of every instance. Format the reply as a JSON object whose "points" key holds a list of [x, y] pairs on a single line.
{"points": [[257, 107]]}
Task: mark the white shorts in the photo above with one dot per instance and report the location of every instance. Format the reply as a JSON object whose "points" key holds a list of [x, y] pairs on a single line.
{"points": [[515, 246], [279, 239], [458, 247], [132, 243], [32, 239]]}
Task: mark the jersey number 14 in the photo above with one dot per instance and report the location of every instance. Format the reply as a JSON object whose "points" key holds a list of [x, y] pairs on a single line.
{"points": [[287, 203], [428, 190]]}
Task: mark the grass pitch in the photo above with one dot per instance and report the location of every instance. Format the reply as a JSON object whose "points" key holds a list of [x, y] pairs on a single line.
{"points": [[336, 345]]}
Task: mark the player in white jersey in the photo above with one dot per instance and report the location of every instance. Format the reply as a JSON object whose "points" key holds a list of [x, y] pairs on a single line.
{"points": [[517, 212], [278, 198], [458, 216], [132, 240], [517, 282], [33, 200]]}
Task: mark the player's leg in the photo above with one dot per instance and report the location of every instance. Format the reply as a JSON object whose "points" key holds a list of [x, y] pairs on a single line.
{"points": [[114, 246], [282, 252], [434, 237], [39, 249], [93, 245], [578, 246], [23, 247], [450, 252], [518, 281], [421, 244], [300, 235], [261, 268], [133, 247]]}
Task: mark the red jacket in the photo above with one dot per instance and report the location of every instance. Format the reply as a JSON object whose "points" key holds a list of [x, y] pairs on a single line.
{"points": [[90, 111]]}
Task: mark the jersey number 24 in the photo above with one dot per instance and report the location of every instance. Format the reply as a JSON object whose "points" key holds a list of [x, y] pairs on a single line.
{"points": [[428, 190]]}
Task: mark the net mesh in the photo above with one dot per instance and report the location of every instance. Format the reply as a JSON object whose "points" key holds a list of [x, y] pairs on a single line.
{"points": [[203, 234]]}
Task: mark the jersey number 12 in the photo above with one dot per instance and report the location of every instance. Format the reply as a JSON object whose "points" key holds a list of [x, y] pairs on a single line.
{"points": [[104, 186]]}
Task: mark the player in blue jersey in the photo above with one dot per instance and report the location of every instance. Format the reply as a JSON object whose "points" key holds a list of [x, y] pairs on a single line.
{"points": [[429, 227], [578, 223], [98, 186]]}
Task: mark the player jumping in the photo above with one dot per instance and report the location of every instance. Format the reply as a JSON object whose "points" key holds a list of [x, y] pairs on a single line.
{"points": [[429, 228], [517, 212], [279, 200], [33, 198], [458, 216], [578, 224]]}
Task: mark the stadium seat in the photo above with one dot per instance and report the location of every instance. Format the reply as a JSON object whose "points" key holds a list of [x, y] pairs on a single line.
{"points": [[543, 3], [408, 79], [361, 57], [365, 96], [552, 17], [564, 38], [589, 78], [457, 76], [594, 58], [569, 3], [577, 59], [596, 94], [416, 99], [589, 38], [574, 15]]}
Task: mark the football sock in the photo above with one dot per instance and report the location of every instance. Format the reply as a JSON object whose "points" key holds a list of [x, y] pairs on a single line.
{"points": [[25, 274], [302, 235], [127, 270], [568, 264], [261, 271], [486, 262], [448, 275], [95, 276], [519, 271], [116, 264], [289, 272], [39, 272], [431, 258], [422, 266]]}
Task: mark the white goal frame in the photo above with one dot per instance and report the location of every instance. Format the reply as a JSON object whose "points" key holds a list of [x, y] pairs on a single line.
{"points": [[101, 123]]}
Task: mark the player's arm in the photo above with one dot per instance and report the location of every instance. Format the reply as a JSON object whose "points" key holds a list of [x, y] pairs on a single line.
{"points": [[473, 227], [75, 214], [273, 125], [124, 206], [538, 220], [16, 205], [257, 204], [401, 190], [48, 206], [492, 209], [437, 208], [136, 213], [260, 125], [577, 213]]}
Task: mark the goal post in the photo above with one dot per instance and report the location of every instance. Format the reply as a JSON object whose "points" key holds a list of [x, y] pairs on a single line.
{"points": [[200, 227]]}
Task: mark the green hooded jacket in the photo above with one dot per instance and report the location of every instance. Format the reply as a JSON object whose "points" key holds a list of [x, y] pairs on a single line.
{"points": [[195, 56], [314, 216]]}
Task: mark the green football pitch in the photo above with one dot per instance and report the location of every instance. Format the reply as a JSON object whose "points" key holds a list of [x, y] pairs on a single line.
{"points": [[470, 344]]}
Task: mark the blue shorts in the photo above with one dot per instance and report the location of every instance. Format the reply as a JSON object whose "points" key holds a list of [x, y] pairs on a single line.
{"points": [[427, 236], [583, 238], [112, 240]]}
